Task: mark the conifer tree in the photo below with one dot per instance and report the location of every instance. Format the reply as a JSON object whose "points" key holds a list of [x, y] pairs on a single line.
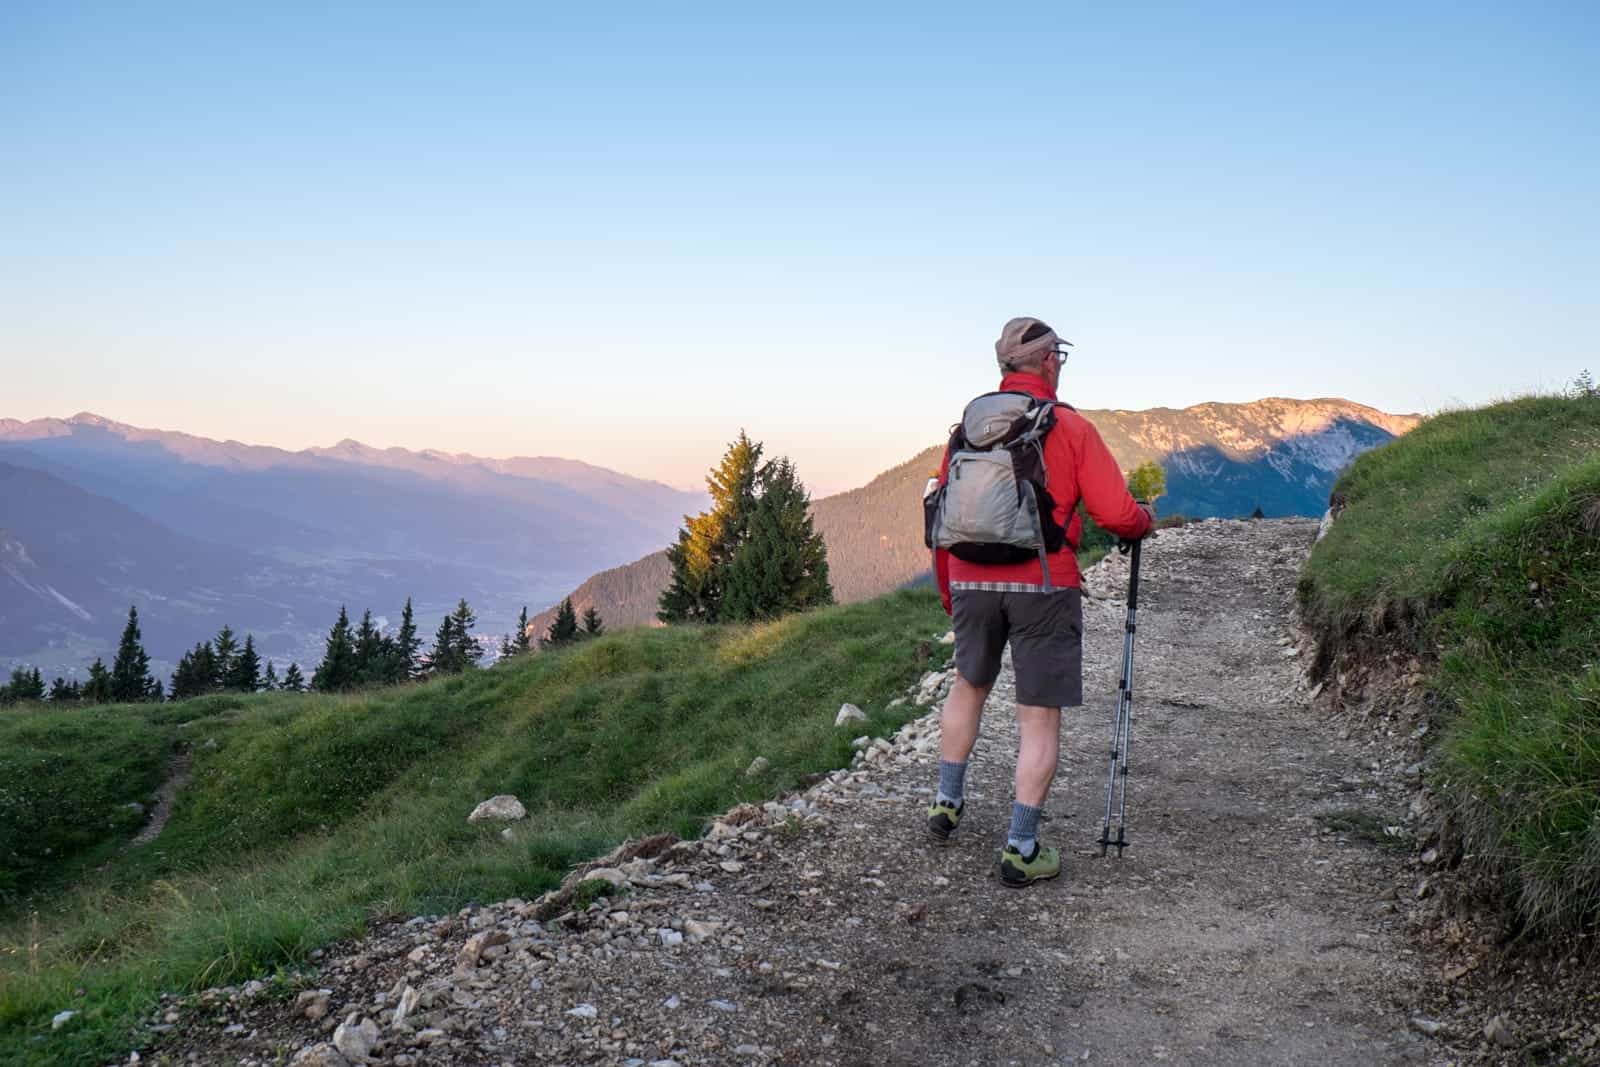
{"points": [[293, 680], [130, 672], [223, 649], [97, 690], [64, 692], [708, 541], [403, 660], [370, 669], [337, 669], [454, 647], [521, 640], [244, 675], [153, 692], [441, 658], [25, 685], [564, 628], [592, 626], [269, 681], [783, 564]]}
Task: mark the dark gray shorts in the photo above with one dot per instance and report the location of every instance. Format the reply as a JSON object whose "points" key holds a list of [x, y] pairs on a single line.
{"points": [[1046, 635]]}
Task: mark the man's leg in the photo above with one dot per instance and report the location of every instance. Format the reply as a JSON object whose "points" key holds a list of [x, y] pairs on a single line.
{"points": [[1046, 647], [958, 723], [980, 641], [1037, 752]]}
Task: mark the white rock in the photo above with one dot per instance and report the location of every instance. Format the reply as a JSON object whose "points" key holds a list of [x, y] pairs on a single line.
{"points": [[1499, 1031], [861, 742], [607, 874], [669, 937], [503, 808], [584, 1011], [697, 931], [407, 1005], [757, 768], [355, 1040], [723, 1005], [849, 713], [61, 1019]]}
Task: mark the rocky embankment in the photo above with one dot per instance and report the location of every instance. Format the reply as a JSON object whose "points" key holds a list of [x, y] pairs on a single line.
{"points": [[1265, 913]]}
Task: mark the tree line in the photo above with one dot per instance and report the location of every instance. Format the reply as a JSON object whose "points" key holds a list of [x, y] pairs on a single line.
{"points": [[354, 657]]}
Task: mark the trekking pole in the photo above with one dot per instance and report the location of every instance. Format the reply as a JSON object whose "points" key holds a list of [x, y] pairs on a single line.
{"points": [[1117, 782]]}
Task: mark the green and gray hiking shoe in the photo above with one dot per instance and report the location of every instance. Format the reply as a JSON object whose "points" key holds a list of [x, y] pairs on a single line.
{"points": [[1016, 872], [943, 820]]}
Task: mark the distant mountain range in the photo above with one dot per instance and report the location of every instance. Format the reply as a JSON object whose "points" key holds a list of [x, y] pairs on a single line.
{"points": [[1220, 459], [95, 515]]}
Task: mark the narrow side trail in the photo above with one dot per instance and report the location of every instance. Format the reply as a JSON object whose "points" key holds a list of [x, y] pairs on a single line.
{"points": [[1241, 926]]}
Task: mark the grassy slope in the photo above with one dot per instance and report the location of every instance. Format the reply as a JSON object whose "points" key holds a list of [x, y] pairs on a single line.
{"points": [[1477, 537], [307, 816]]}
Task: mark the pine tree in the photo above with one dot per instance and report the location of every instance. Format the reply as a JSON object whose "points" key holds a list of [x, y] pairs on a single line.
{"points": [[708, 541], [25, 685], [564, 629], [269, 681], [130, 673], [293, 680], [97, 690], [370, 669], [64, 692], [592, 626], [403, 660], [244, 676], [466, 651], [441, 658], [153, 692], [223, 650], [522, 640], [783, 565], [337, 669]]}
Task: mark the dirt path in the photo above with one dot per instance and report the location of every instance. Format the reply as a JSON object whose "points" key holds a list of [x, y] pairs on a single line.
{"points": [[177, 775], [1238, 929]]}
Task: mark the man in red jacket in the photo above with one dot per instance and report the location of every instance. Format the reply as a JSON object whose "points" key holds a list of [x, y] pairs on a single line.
{"points": [[993, 603]]}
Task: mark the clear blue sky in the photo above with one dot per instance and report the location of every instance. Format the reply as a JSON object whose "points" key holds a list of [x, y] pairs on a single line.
{"points": [[620, 233]]}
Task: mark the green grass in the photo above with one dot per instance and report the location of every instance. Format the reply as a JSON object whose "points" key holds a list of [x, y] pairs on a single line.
{"points": [[308, 816], [1476, 539]]}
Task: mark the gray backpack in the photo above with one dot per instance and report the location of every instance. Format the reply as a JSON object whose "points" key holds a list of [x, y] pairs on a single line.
{"points": [[995, 506]]}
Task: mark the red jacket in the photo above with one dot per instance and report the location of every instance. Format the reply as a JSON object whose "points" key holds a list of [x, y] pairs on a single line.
{"points": [[1080, 467]]}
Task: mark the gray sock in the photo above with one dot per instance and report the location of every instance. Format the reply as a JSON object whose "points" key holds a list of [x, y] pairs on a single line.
{"points": [[1024, 836], [952, 783]]}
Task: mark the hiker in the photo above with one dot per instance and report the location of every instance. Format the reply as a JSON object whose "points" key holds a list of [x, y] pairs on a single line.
{"points": [[1007, 569]]}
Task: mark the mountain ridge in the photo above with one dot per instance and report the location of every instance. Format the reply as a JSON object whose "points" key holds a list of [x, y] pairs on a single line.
{"points": [[200, 449], [1276, 453]]}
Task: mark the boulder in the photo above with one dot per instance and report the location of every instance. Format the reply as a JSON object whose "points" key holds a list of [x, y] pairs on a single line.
{"points": [[757, 768], [355, 1040], [503, 808], [849, 713]]}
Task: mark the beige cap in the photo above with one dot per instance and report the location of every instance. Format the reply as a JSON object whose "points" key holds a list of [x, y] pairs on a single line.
{"points": [[1025, 341]]}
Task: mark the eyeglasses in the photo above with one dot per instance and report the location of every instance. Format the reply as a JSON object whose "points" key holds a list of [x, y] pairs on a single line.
{"points": [[1060, 350]]}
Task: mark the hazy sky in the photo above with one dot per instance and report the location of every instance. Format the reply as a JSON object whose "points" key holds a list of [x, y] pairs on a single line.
{"points": [[621, 232]]}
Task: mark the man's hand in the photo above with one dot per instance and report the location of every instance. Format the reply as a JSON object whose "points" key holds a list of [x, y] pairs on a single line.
{"points": [[1150, 510]]}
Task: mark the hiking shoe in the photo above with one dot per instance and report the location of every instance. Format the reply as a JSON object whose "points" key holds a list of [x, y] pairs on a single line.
{"points": [[1016, 871], [943, 819]]}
